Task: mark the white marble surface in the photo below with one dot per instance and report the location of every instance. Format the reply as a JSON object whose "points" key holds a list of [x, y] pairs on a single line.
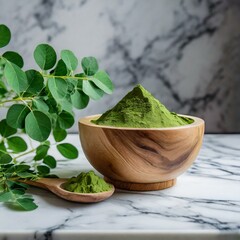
{"points": [[205, 204], [186, 52]]}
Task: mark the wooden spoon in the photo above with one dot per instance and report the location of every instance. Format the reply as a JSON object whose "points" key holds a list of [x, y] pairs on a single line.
{"points": [[55, 185]]}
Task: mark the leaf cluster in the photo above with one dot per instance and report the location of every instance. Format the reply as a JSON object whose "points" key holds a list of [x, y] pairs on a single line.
{"points": [[40, 102], [13, 193]]}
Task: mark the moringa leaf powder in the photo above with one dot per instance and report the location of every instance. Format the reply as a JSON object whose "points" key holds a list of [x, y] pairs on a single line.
{"points": [[87, 183], [140, 109]]}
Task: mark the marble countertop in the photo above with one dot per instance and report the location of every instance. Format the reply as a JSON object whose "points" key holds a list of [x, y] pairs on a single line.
{"points": [[204, 204]]}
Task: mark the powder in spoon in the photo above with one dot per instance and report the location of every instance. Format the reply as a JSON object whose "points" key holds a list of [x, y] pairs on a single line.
{"points": [[86, 183], [140, 109]]}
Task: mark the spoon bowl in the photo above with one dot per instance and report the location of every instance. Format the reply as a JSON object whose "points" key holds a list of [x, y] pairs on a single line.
{"points": [[55, 185]]}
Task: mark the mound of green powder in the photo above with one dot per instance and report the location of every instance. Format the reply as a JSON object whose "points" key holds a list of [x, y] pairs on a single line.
{"points": [[139, 109], [87, 183]]}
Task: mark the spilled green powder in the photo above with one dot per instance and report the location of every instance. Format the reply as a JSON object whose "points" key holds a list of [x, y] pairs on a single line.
{"points": [[139, 109], [87, 183]]}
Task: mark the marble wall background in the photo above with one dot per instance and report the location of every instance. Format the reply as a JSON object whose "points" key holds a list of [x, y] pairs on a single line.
{"points": [[186, 52]]}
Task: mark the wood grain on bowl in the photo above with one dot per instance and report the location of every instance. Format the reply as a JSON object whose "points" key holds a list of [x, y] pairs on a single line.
{"points": [[139, 155]]}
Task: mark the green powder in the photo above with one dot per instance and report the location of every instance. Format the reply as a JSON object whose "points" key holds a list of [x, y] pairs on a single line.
{"points": [[139, 109], [87, 183]]}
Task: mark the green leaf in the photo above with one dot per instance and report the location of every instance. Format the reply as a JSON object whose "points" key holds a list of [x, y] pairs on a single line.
{"points": [[43, 170], [3, 88], [50, 161], [61, 69], [73, 82], [89, 65], [45, 56], [5, 35], [10, 168], [16, 115], [102, 80], [35, 81], [68, 150], [59, 134], [14, 57], [79, 82], [65, 120], [52, 104], [6, 130], [17, 144], [71, 86], [38, 125], [21, 168], [5, 159], [65, 104], [53, 117], [41, 152], [41, 105], [25, 175], [14, 185], [69, 59], [2, 148], [27, 203], [79, 99], [18, 192], [92, 90], [58, 88], [15, 77], [6, 197]]}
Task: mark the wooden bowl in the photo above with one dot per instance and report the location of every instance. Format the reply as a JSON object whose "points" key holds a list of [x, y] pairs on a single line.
{"points": [[141, 158]]}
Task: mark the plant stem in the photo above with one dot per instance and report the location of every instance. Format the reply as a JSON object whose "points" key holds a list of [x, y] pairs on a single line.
{"points": [[25, 153], [66, 77], [17, 100]]}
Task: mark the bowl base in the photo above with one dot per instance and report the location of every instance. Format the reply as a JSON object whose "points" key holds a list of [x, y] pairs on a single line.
{"points": [[141, 186]]}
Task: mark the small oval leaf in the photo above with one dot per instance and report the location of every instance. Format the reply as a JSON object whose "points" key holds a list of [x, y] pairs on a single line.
{"points": [[45, 56], [43, 170], [92, 90], [89, 65], [79, 99], [2, 148], [38, 126], [26, 203], [16, 115], [65, 120], [61, 69], [17, 144], [35, 81], [41, 105], [58, 88], [68, 150], [69, 59], [50, 161], [5, 159], [102, 80], [59, 134], [5, 35], [41, 152], [16, 78], [6, 130], [14, 57]]}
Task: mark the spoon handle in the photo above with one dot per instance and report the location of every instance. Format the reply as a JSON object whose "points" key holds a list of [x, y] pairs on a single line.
{"points": [[45, 183]]}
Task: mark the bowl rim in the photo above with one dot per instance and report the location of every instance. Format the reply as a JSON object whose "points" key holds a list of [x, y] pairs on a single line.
{"points": [[87, 121]]}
